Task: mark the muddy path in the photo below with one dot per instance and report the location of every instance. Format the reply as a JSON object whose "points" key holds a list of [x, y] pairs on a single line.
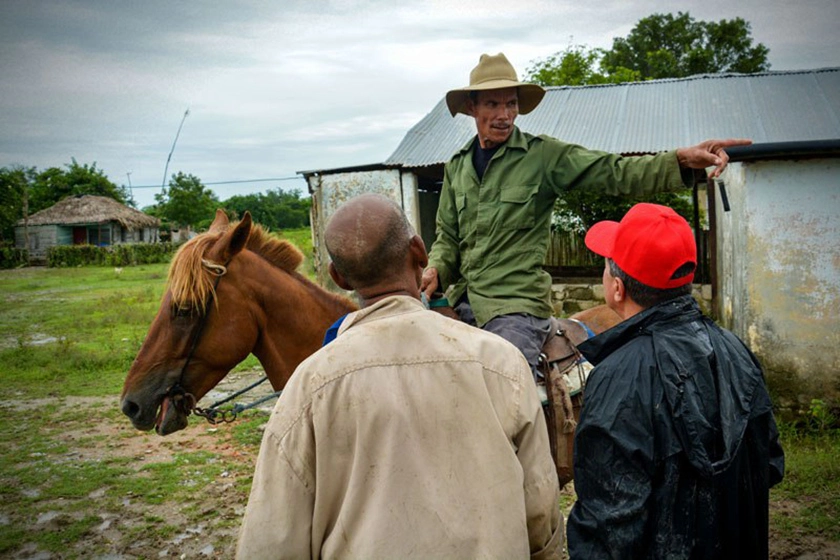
{"points": [[123, 524]]}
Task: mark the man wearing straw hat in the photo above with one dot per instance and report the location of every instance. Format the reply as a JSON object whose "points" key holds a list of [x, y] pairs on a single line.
{"points": [[498, 195]]}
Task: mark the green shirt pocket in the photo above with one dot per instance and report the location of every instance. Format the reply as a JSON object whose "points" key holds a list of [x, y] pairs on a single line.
{"points": [[517, 207]]}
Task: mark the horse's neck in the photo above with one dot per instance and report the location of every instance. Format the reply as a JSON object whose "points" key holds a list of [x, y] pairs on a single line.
{"points": [[297, 314]]}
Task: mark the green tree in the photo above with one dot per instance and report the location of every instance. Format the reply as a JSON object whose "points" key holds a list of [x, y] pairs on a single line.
{"points": [[54, 184], [578, 209], [186, 202], [668, 46], [14, 184], [659, 46], [276, 209], [575, 66]]}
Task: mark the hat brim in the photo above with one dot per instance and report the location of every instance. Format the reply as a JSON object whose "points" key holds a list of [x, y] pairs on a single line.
{"points": [[530, 95], [600, 239]]}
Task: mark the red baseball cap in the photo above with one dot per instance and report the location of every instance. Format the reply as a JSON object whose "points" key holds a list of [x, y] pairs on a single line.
{"points": [[650, 243]]}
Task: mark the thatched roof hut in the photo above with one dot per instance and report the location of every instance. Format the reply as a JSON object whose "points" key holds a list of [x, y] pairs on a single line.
{"points": [[85, 219], [90, 209]]}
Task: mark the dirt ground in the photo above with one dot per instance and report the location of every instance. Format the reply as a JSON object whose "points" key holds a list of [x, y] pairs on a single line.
{"points": [[222, 503]]}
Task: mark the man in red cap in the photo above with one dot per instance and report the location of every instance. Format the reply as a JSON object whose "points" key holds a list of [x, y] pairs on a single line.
{"points": [[498, 197], [677, 446]]}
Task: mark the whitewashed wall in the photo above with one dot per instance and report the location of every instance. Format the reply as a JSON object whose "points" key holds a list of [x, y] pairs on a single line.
{"points": [[779, 271]]}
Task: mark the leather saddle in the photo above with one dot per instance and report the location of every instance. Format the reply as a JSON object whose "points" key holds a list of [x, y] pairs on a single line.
{"points": [[564, 375]]}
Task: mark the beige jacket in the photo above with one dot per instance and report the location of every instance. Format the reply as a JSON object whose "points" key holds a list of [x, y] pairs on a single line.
{"points": [[410, 435]]}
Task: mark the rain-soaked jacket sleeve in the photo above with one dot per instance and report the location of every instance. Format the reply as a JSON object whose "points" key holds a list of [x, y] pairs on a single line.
{"points": [[613, 478], [777, 456]]}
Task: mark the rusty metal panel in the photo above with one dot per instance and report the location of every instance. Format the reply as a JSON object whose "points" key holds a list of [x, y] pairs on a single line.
{"points": [[410, 199], [329, 191]]}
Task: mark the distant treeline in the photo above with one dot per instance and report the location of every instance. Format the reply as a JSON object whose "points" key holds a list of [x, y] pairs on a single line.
{"points": [[276, 210], [185, 201]]}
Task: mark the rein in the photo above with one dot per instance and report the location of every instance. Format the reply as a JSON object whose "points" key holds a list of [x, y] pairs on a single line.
{"points": [[215, 416], [186, 402]]}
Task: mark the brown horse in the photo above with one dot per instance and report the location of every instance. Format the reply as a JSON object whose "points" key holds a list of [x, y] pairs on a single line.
{"points": [[598, 318], [231, 291]]}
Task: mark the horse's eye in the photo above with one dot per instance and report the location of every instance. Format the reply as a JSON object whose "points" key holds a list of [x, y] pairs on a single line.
{"points": [[182, 311]]}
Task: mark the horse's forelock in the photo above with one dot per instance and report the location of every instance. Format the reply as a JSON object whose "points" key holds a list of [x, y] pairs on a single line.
{"points": [[191, 284]]}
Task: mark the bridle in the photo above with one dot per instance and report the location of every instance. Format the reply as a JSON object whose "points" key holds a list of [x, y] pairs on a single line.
{"points": [[182, 400], [185, 402]]}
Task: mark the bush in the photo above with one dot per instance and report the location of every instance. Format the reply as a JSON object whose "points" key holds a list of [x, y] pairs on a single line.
{"points": [[140, 253], [123, 254], [74, 255], [11, 257]]}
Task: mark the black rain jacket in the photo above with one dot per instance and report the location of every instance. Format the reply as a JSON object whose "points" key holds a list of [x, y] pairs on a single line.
{"points": [[677, 447]]}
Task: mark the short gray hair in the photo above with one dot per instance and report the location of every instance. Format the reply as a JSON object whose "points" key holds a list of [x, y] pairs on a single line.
{"points": [[648, 296]]}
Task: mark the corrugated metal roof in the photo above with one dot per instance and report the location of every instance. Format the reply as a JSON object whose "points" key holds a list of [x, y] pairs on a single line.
{"points": [[658, 115]]}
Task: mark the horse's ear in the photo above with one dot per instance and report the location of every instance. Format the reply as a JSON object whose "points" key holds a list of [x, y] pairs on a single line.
{"points": [[235, 239], [220, 223]]}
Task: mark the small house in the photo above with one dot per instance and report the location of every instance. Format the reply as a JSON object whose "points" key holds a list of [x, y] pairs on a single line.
{"points": [[85, 219]]}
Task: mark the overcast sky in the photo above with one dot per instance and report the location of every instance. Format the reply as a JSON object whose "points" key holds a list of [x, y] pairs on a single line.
{"points": [[274, 88]]}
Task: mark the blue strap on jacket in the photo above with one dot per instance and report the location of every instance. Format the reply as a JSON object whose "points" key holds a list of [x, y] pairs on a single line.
{"points": [[332, 332]]}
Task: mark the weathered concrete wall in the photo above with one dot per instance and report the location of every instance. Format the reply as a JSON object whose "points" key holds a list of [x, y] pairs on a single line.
{"points": [[779, 272], [330, 191]]}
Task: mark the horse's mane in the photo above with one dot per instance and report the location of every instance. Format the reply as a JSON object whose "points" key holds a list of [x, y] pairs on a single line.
{"points": [[192, 278]]}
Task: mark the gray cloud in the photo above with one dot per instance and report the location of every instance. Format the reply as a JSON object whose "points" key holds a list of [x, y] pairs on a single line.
{"points": [[278, 87]]}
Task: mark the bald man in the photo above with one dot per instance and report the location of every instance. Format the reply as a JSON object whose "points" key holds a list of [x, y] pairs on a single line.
{"points": [[409, 435]]}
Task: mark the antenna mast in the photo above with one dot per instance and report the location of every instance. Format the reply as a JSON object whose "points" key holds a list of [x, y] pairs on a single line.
{"points": [[177, 134]]}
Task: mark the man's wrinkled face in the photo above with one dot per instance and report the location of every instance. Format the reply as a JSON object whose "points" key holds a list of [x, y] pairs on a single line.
{"points": [[494, 112]]}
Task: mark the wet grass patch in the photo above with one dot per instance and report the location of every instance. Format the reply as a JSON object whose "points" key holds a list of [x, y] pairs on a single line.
{"points": [[807, 501]]}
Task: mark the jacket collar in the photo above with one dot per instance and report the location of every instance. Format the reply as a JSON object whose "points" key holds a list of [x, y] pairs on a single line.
{"points": [[517, 140], [387, 307], [681, 309]]}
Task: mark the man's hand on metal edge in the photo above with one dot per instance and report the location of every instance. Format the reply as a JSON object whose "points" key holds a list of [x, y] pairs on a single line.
{"points": [[709, 153]]}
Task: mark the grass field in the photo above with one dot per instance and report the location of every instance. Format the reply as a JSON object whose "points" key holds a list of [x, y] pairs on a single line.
{"points": [[77, 481]]}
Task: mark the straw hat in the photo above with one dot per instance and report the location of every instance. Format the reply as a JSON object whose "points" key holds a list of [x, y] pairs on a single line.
{"points": [[494, 72]]}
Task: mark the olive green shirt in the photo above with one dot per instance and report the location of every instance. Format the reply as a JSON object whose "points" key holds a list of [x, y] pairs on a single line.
{"points": [[493, 233]]}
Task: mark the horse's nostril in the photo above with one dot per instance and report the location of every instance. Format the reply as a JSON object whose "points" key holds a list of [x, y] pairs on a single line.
{"points": [[130, 408]]}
